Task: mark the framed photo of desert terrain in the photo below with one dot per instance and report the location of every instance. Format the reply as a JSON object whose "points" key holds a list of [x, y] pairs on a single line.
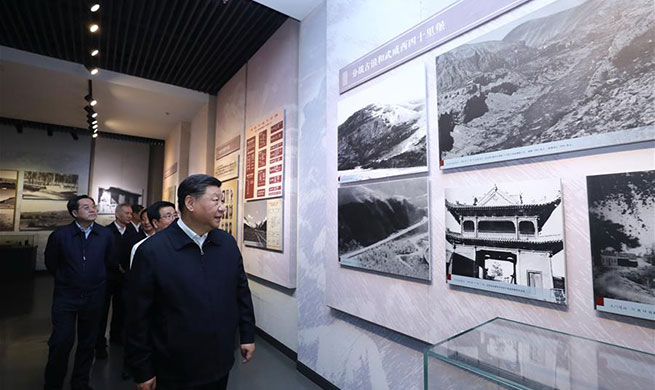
{"points": [[382, 128], [622, 236], [574, 75], [385, 227], [507, 238]]}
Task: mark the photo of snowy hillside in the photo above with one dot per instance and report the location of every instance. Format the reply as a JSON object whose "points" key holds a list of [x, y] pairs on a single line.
{"points": [[622, 233], [385, 227], [383, 126], [254, 224], [573, 75]]}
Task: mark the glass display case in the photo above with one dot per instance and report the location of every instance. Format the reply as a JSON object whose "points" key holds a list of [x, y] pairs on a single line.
{"points": [[505, 354]]}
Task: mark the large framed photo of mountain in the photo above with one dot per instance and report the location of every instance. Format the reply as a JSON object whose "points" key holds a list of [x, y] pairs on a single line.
{"points": [[383, 126], [622, 235], [574, 75], [385, 227], [507, 238]]}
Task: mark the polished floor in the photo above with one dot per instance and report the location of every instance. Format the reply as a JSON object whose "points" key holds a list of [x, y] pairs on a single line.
{"points": [[25, 328]]}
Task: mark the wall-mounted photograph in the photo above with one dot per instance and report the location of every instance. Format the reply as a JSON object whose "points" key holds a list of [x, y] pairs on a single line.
{"points": [[49, 185], [573, 75], [43, 215], [622, 234], [383, 126], [263, 224], [109, 198], [507, 238], [229, 193], [385, 227], [8, 182]]}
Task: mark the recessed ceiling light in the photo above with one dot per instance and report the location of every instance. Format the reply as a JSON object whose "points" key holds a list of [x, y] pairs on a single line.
{"points": [[94, 7], [94, 52], [94, 27]]}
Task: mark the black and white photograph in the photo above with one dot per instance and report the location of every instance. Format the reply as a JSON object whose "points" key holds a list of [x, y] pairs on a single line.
{"points": [[254, 224], [622, 236], [507, 238], [43, 215], [49, 185], [383, 126], [385, 227], [109, 198], [576, 74], [8, 180]]}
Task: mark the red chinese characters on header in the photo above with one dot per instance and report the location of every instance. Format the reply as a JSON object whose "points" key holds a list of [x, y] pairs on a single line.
{"points": [[250, 168]]}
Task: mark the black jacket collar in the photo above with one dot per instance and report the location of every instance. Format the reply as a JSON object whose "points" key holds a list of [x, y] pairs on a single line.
{"points": [[180, 239], [95, 228]]}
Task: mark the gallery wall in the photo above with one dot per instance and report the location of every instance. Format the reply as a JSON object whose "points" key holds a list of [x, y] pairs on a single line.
{"points": [[345, 314], [34, 150], [176, 160], [267, 83], [118, 165]]}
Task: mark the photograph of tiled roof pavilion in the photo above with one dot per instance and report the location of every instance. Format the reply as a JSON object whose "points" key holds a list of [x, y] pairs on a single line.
{"points": [[507, 239]]}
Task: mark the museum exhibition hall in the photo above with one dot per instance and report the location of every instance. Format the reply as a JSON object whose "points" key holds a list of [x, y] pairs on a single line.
{"points": [[434, 194]]}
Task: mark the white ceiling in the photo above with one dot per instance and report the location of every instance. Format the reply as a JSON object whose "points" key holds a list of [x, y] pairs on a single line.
{"points": [[48, 90], [297, 9]]}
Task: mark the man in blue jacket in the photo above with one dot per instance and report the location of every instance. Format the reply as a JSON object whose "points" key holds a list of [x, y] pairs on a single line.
{"points": [[188, 294], [76, 256]]}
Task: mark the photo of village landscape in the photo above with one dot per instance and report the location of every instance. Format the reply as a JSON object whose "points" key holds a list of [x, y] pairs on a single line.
{"points": [[49, 185]]}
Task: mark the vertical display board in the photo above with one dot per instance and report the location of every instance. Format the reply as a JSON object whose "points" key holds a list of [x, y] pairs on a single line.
{"points": [[226, 165], [622, 234], [265, 158], [229, 190]]}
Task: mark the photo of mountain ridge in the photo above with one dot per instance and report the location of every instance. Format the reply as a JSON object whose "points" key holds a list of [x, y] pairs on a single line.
{"points": [[574, 73], [384, 227], [382, 127]]}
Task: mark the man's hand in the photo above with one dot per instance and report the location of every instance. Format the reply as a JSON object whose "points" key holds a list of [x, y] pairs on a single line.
{"points": [[247, 350], [150, 384]]}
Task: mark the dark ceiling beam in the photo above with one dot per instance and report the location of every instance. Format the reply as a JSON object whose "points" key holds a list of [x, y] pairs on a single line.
{"points": [[209, 56], [127, 37], [226, 14], [233, 49], [25, 39], [134, 60], [53, 30], [194, 35], [182, 36], [164, 31], [116, 16], [170, 33], [149, 42]]}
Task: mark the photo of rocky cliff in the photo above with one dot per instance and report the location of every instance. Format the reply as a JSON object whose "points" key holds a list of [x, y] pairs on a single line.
{"points": [[382, 127], [573, 69], [385, 227], [622, 233]]}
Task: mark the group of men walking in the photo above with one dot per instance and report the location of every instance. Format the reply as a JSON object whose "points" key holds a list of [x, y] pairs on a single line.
{"points": [[176, 287]]}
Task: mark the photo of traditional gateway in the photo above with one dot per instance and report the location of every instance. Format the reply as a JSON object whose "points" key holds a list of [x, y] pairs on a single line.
{"points": [[504, 238]]}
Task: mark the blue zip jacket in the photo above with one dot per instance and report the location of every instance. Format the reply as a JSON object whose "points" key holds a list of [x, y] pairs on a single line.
{"points": [[78, 263]]}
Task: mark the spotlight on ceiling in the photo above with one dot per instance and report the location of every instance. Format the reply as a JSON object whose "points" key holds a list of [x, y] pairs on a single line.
{"points": [[92, 69], [94, 7], [94, 52], [93, 27], [95, 135], [90, 112], [91, 121], [90, 100]]}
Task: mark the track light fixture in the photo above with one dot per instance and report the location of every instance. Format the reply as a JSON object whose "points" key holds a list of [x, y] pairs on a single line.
{"points": [[94, 52], [93, 27], [90, 112], [95, 135], [94, 6], [92, 102]]}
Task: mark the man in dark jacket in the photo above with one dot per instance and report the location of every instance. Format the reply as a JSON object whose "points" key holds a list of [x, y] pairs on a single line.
{"points": [[125, 236], [188, 294], [76, 256]]}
